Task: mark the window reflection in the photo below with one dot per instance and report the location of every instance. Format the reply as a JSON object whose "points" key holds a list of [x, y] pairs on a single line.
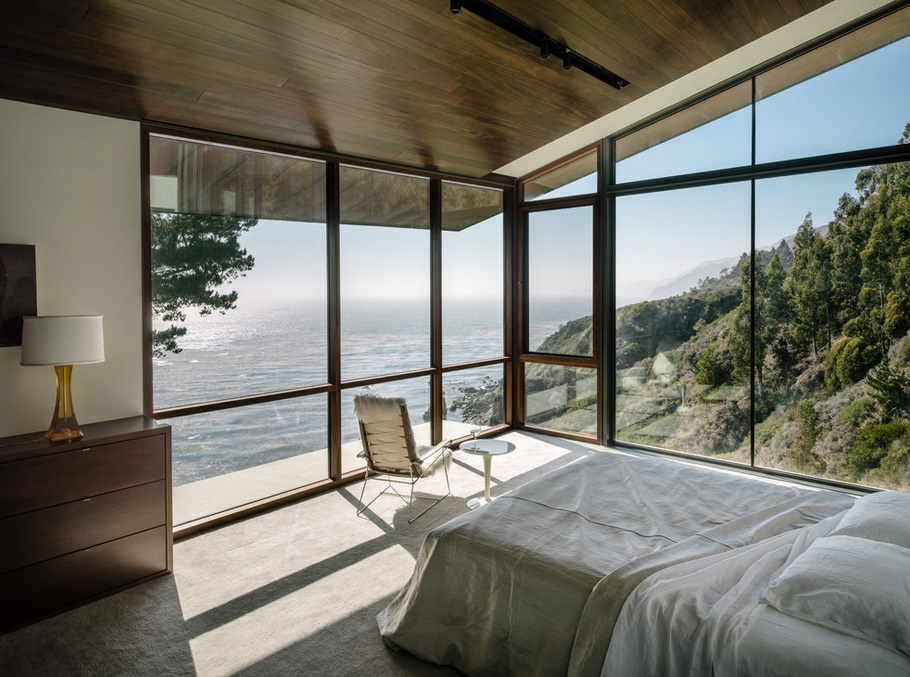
{"points": [[802, 111], [713, 134], [576, 177], [561, 398], [225, 459], [682, 320]]}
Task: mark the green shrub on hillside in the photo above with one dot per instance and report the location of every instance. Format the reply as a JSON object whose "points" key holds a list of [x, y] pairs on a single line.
{"points": [[872, 444]]}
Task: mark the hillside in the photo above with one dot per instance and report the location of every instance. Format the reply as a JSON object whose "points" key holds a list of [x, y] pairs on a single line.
{"points": [[819, 359], [831, 350]]}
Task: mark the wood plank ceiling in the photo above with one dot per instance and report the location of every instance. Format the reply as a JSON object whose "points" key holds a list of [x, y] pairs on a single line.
{"points": [[398, 81]]}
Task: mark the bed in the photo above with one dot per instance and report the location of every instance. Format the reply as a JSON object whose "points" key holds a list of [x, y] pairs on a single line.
{"points": [[584, 571]]}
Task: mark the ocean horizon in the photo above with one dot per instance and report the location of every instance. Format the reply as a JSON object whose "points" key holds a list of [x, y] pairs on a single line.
{"points": [[281, 344]]}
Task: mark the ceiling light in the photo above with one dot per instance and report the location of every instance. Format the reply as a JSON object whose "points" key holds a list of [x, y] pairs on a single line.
{"points": [[546, 44]]}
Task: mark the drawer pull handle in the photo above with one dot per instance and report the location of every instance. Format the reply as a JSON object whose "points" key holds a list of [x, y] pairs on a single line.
{"points": [[87, 499], [86, 449], [86, 550]]}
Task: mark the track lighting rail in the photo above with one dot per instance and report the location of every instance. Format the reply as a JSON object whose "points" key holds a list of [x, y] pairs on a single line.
{"points": [[546, 45]]}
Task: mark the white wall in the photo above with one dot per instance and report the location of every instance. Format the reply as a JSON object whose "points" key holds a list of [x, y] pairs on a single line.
{"points": [[70, 185]]}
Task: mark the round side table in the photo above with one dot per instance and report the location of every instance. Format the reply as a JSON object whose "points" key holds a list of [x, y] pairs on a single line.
{"points": [[486, 449]]}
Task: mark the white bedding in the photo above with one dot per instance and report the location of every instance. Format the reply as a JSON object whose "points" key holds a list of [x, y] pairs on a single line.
{"points": [[505, 589], [707, 617]]}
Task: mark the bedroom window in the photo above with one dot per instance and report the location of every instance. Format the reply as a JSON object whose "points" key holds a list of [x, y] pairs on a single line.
{"points": [[682, 320], [472, 274], [559, 281], [558, 388], [851, 84], [385, 273], [834, 306], [473, 309], [238, 298], [761, 309], [279, 286], [713, 134]]}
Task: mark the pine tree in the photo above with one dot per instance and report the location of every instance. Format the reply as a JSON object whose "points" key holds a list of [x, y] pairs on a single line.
{"points": [[193, 256]]}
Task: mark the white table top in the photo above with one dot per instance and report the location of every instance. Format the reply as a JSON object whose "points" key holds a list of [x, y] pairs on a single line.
{"points": [[487, 447]]}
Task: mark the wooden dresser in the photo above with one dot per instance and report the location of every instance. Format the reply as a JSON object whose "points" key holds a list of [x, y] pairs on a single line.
{"points": [[84, 519]]}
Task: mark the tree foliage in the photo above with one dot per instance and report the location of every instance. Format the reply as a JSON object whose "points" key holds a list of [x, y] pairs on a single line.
{"points": [[810, 325], [890, 389], [193, 258]]}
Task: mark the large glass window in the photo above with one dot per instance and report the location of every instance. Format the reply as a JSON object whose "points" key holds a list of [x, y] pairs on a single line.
{"points": [[385, 273], [559, 281], [846, 95], [247, 256], [833, 330], [682, 320], [472, 273], [238, 294], [713, 134], [807, 334]]}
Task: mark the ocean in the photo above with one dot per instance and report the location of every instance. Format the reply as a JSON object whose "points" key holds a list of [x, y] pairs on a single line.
{"points": [[278, 345]]}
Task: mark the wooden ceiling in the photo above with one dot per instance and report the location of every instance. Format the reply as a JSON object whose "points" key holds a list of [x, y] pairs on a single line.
{"points": [[398, 81]]}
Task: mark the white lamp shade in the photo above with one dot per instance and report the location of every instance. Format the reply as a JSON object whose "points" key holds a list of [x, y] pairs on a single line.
{"points": [[62, 339]]}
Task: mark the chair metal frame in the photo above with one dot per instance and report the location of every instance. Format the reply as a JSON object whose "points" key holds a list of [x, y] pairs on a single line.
{"points": [[418, 465]]}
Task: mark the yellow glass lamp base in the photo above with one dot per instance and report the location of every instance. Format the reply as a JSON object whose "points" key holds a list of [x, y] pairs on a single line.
{"points": [[64, 427]]}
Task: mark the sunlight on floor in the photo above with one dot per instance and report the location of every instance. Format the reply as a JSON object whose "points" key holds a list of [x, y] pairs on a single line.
{"points": [[302, 613]]}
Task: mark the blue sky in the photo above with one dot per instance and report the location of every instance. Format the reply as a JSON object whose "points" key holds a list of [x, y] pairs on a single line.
{"points": [[863, 103]]}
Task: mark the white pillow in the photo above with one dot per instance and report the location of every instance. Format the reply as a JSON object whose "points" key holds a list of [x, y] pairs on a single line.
{"points": [[852, 585], [883, 516]]}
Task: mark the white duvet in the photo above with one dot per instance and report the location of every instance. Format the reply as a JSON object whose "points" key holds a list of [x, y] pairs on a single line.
{"points": [[708, 617], [532, 583]]}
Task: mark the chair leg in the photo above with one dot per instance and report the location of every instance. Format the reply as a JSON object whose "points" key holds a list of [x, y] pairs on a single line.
{"points": [[410, 499], [410, 503], [389, 487], [363, 488]]}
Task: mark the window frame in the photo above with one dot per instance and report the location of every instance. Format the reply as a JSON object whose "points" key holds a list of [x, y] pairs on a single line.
{"points": [[334, 385], [753, 172], [526, 356]]}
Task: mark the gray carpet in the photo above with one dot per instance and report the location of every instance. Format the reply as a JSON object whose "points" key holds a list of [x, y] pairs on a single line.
{"points": [[291, 592]]}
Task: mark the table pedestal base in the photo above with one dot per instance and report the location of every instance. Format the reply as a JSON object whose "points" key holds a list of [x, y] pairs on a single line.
{"points": [[487, 449], [477, 502]]}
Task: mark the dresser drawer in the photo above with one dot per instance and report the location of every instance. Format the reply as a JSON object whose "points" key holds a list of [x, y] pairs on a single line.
{"points": [[57, 478], [43, 534], [62, 582]]}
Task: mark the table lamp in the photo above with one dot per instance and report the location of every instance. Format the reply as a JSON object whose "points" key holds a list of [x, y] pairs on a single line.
{"points": [[61, 341]]}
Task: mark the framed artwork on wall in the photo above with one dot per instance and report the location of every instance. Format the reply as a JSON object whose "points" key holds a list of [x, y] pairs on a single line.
{"points": [[18, 290]]}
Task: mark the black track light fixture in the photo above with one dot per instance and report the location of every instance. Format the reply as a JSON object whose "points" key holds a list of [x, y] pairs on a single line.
{"points": [[542, 41], [544, 46]]}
